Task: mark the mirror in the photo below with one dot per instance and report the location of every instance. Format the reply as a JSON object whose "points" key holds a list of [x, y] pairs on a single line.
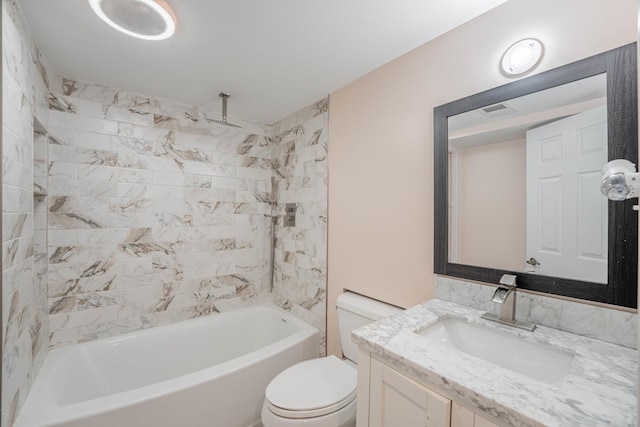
{"points": [[517, 173], [522, 173]]}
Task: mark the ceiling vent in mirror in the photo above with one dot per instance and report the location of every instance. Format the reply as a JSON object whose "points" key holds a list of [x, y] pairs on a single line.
{"points": [[497, 110], [143, 19]]}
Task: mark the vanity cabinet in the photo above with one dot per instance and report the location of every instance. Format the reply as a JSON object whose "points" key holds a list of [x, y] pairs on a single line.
{"points": [[387, 398], [399, 401]]}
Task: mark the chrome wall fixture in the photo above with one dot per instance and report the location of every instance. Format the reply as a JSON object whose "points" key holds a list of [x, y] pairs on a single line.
{"points": [[620, 180], [290, 214]]}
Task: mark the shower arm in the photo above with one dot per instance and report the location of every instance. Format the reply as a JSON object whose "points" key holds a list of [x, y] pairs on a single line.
{"points": [[224, 97]]}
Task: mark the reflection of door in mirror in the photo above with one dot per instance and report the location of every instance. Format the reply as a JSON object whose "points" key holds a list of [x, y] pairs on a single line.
{"points": [[492, 220], [566, 214]]}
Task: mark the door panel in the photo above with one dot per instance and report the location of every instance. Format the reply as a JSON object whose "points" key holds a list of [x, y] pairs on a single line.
{"points": [[566, 214]]}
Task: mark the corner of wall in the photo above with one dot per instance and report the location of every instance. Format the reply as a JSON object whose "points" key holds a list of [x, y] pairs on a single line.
{"points": [[300, 143], [25, 323]]}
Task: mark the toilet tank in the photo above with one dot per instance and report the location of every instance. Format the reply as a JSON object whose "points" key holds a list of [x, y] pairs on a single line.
{"points": [[355, 311]]}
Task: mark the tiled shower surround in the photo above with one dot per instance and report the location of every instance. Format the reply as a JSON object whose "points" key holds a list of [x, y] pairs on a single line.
{"points": [[300, 166], [158, 214], [25, 331], [125, 212]]}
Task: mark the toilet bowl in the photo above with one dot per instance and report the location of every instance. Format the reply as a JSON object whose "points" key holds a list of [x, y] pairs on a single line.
{"points": [[322, 392], [318, 392]]}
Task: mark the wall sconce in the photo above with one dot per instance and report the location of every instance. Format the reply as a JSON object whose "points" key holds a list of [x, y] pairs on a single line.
{"points": [[521, 57], [620, 180]]}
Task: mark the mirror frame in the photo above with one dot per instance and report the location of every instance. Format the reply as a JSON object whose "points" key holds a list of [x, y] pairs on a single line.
{"points": [[622, 120]]}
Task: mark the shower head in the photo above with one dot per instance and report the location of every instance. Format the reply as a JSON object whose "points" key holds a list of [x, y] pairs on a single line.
{"points": [[224, 121]]}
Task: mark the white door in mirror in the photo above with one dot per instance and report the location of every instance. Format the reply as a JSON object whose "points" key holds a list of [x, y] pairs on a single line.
{"points": [[566, 214]]}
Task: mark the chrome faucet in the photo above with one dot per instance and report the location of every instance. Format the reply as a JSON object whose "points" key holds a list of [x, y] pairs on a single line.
{"points": [[505, 295]]}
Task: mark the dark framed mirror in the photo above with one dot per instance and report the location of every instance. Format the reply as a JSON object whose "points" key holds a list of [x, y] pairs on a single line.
{"points": [[517, 181]]}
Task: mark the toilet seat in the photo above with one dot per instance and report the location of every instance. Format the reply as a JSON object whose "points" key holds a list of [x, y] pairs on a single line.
{"points": [[312, 388]]}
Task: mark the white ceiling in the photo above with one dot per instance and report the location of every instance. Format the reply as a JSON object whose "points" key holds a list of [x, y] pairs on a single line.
{"points": [[274, 57]]}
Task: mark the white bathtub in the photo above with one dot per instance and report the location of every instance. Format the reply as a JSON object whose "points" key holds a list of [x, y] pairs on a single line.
{"points": [[210, 371]]}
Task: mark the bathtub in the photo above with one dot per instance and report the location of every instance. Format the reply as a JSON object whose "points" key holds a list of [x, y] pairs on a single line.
{"points": [[210, 371]]}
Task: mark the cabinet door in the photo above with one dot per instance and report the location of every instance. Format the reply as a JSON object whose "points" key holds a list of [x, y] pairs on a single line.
{"points": [[463, 417], [483, 422], [396, 400]]}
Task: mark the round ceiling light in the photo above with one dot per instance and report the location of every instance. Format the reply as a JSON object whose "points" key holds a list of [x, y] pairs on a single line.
{"points": [[521, 57], [143, 19]]}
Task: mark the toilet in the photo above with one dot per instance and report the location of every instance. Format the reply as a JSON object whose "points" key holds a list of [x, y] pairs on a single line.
{"points": [[322, 392]]}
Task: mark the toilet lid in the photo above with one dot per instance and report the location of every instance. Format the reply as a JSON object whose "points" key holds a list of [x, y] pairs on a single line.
{"points": [[314, 387]]}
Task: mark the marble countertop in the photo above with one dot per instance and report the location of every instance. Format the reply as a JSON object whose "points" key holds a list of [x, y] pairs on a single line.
{"points": [[600, 389]]}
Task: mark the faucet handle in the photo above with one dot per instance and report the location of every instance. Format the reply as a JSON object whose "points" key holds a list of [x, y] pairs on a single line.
{"points": [[508, 280]]}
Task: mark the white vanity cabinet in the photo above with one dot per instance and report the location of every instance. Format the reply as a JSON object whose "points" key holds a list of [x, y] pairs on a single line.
{"points": [[387, 398], [407, 378]]}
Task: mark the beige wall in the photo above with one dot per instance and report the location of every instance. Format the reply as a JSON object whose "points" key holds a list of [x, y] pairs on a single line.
{"points": [[493, 205], [381, 138]]}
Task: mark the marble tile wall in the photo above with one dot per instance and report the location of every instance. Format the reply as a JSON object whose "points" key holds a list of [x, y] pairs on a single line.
{"points": [[605, 324], [25, 334], [300, 168], [156, 213], [145, 212]]}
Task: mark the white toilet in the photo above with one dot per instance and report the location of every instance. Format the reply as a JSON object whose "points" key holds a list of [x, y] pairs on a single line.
{"points": [[322, 392]]}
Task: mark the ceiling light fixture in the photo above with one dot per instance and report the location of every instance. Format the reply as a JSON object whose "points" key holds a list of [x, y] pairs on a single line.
{"points": [[521, 57], [143, 19]]}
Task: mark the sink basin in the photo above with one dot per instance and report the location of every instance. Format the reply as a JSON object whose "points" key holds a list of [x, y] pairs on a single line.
{"points": [[537, 361]]}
